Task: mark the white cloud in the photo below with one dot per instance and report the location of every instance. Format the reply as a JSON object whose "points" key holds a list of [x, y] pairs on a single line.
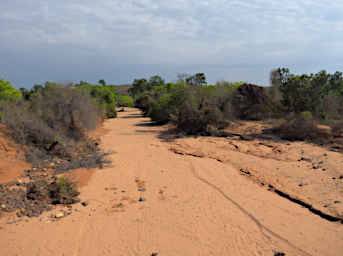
{"points": [[180, 33]]}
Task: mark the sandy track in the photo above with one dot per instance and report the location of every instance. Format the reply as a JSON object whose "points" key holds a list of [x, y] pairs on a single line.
{"points": [[194, 206]]}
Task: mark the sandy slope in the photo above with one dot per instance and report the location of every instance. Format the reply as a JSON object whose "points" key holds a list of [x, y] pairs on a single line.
{"points": [[12, 162], [193, 206]]}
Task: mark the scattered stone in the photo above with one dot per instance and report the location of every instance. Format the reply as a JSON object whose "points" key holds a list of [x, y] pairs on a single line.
{"points": [[300, 185], [154, 254], [123, 191], [337, 202], [279, 254], [325, 154], [141, 199], [84, 204], [341, 177], [245, 172], [59, 215], [306, 159], [333, 178], [37, 196], [141, 189], [324, 169]]}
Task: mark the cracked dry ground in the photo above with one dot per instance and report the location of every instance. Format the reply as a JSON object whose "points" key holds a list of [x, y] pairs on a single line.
{"points": [[195, 196]]}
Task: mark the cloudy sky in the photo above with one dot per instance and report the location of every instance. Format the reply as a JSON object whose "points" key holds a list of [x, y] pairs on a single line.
{"points": [[72, 40]]}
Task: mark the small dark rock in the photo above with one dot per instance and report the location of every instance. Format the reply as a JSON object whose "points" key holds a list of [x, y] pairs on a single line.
{"points": [[141, 199], [333, 178], [279, 254], [341, 177], [306, 159], [323, 169], [141, 190], [300, 185], [154, 254], [337, 202], [84, 204]]}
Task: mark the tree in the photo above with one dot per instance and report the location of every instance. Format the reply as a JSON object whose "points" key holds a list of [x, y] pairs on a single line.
{"points": [[138, 87], [275, 82], [199, 79], [307, 92], [155, 81], [8, 92], [102, 82]]}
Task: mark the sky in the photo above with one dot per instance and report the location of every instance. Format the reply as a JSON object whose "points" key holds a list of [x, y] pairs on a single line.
{"points": [[118, 41]]}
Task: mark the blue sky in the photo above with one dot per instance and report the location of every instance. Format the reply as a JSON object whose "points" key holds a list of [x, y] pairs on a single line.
{"points": [[73, 40]]}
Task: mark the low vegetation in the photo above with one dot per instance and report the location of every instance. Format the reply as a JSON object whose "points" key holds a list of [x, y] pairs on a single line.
{"points": [[52, 122], [303, 102]]}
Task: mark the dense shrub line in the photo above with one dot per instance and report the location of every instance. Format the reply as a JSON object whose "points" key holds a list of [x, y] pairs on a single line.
{"points": [[53, 121], [194, 107]]}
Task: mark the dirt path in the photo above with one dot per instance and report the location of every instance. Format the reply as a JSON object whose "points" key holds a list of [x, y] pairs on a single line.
{"points": [[192, 206]]}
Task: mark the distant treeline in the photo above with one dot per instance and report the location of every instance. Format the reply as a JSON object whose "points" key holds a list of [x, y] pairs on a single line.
{"points": [[194, 107]]}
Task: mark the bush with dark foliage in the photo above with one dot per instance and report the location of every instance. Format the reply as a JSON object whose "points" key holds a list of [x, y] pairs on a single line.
{"points": [[54, 124]]}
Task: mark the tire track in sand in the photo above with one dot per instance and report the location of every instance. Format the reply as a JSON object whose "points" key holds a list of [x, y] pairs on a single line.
{"points": [[261, 227]]}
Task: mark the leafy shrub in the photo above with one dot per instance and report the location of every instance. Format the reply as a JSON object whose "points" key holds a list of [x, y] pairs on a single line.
{"points": [[54, 124], [125, 101], [160, 110], [301, 127], [307, 92], [251, 102], [8, 92], [193, 119], [202, 112], [145, 103], [104, 96]]}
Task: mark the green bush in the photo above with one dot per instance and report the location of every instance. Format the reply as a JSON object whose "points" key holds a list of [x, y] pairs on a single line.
{"points": [[307, 92], [193, 107], [145, 103], [104, 96], [160, 109], [8, 92], [201, 113], [54, 124], [125, 101]]}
